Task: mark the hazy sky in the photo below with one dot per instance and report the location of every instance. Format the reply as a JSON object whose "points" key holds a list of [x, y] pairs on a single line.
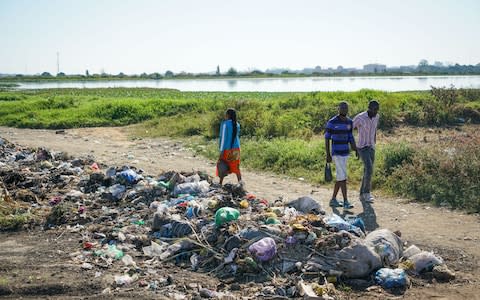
{"points": [[154, 36]]}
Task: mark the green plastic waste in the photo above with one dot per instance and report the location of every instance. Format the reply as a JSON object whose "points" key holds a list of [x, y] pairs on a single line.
{"points": [[272, 221], [113, 252], [226, 214]]}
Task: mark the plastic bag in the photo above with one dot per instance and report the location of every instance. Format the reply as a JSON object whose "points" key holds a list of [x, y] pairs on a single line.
{"points": [[192, 188], [340, 224], [226, 214], [411, 251], [425, 261], [306, 205], [264, 249], [328, 173], [130, 176], [391, 278]]}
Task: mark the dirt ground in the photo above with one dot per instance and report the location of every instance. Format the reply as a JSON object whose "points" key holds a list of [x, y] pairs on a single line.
{"points": [[37, 265]]}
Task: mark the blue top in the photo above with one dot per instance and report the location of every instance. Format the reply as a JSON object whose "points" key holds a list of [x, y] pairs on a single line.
{"points": [[226, 131], [340, 132]]}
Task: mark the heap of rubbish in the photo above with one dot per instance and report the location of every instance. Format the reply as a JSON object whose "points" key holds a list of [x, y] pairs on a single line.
{"points": [[132, 224]]}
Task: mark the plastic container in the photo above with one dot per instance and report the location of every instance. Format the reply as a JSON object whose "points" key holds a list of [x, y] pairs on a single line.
{"points": [[226, 214]]}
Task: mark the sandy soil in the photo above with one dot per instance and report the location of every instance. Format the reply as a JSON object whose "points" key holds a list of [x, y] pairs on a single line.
{"points": [[454, 235]]}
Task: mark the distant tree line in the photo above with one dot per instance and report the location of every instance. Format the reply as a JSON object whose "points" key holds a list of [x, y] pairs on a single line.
{"points": [[423, 68]]}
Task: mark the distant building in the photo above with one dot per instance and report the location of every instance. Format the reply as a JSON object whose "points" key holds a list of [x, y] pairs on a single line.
{"points": [[374, 68]]}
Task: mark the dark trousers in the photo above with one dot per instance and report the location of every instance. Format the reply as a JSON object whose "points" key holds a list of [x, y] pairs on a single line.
{"points": [[367, 154]]}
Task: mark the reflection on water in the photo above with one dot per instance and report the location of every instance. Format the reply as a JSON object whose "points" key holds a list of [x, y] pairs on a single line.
{"points": [[296, 84], [232, 83]]}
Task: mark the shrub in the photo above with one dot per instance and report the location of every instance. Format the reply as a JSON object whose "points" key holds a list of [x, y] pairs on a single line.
{"points": [[448, 174], [395, 156]]}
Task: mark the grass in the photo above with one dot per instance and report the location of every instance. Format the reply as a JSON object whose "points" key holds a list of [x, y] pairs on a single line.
{"points": [[281, 132], [12, 215]]}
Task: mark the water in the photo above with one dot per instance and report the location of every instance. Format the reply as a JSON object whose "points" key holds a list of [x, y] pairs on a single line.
{"points": [[301, 84]]}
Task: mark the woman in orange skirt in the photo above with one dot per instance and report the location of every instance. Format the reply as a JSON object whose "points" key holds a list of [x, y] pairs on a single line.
{"points": [[229, 147]]}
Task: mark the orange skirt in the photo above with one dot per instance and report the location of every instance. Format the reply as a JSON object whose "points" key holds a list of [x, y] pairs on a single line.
{"points": [[232, 158]]}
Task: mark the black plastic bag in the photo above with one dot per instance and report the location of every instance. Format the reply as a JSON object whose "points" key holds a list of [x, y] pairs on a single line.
{"points": [[328, 173]]}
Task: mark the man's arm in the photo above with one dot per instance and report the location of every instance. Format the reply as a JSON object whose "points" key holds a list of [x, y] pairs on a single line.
{"points": [[327, 150], [351, 140], [328, 136]]}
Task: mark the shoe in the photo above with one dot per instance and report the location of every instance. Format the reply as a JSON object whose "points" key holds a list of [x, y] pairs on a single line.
{"points": [[369, 198], [335, 203], [347, 205]]}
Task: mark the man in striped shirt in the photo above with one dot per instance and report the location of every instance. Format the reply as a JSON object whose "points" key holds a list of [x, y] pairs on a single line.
{"points": [[339, 130], [367, 122]]}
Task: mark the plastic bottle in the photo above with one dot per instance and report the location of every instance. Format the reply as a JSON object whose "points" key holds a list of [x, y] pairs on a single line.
{"points": [[226, 214]]}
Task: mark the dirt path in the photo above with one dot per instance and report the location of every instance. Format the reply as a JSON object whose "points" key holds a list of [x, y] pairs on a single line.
{"points": [[454, 235]]}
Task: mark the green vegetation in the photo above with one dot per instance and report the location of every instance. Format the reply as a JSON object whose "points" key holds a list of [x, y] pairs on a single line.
{"points": [[281, 132], [12, 216], [447, 175]]}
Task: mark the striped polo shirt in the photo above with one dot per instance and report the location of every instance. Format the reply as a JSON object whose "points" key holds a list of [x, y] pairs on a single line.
{"points": [[367, 128], [340, 132]]}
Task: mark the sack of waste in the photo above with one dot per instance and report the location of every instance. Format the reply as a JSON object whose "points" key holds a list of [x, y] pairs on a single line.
{"points": [[357, 260], [387, 244]]}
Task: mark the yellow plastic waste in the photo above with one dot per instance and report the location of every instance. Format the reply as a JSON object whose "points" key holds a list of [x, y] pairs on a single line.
{"points": [[244, 204]]}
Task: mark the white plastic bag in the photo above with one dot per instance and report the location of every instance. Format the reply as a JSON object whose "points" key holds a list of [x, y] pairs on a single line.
{"points": [[425, 261]]}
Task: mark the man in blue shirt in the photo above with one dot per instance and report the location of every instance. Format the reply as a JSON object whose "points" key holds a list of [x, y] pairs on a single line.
{"points": [[339, 130]]}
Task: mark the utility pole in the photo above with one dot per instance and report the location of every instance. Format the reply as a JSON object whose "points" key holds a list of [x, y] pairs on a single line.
{"points": [[58, 63]]}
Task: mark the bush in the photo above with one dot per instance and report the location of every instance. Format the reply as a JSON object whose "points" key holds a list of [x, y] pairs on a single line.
{"points": [[446, 175], [395, 156]]}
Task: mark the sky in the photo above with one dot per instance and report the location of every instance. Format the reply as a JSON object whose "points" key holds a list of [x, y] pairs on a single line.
{"points": [[135, 36]]}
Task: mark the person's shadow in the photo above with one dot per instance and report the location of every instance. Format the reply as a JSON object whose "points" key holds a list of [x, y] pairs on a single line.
{"points": [[367, 215]]}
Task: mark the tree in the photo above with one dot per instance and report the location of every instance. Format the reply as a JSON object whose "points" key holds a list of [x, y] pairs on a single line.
{"points": [[423, 63], [218, 71], [121, 75], [61, 74], [232, 72], [87, 73], [46, 74], [169, 74], [143, 75], [155, 76]]}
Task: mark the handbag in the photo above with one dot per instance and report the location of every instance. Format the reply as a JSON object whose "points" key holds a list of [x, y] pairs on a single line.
{"points": [[328, 173]]}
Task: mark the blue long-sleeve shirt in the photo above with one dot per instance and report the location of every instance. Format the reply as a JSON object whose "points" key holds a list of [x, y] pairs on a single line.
{"points": [[226, 132]]}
